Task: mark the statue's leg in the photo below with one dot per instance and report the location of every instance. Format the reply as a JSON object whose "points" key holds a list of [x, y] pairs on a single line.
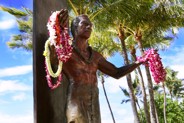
{"points": [[83, 105], [73, 113], [96, 117]]}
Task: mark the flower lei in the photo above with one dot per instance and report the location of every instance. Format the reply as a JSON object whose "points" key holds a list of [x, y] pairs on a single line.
{"points": [[62, 42], [155, 65]]}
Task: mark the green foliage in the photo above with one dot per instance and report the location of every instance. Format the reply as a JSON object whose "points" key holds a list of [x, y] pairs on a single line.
{"points": [[103, 15], [25, 24], [174, 110], [174, 84], [103, 42], [156, 40], [13, 11], [136, 89], [106, 14]]}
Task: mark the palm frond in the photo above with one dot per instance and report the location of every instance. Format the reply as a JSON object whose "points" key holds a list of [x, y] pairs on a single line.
{"points": [[125, 92], [28, 11], [13, 11], [125, 101], [24, 26], [73, 7], [103, 42]]}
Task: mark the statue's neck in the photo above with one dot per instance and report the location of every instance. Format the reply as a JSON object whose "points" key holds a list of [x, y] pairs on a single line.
{"points": [[81, 43]]}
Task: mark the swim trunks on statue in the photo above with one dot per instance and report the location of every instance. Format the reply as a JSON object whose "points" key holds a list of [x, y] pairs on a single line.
{"points": [[83, 104]]}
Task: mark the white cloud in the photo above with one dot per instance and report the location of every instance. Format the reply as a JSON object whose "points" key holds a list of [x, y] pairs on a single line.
{"points": [[19, 97], [180, 69], [3, 102], [14, 71], [26, 118], [175, 61], [7, 21], [175, 58], [7, 24], [122, 113], [113, 85], [12, 85]]}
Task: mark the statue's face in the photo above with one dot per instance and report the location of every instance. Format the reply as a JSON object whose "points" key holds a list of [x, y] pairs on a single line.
{"points": [[84, 27]]}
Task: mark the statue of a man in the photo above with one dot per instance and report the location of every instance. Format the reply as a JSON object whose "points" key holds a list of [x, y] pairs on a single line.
{"points": [[80, 69]]}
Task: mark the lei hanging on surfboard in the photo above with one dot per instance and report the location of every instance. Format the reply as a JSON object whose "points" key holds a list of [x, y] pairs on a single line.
{"points": [[60, 39]]}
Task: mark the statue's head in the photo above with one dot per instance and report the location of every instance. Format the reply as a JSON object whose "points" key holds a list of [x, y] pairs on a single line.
{"points": [[81, 26]]}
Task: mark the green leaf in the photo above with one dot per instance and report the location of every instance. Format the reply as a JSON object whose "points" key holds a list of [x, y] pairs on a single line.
{"points": [[14, 11]]}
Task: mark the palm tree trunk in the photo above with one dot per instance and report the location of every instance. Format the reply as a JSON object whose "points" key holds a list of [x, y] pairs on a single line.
{"points": [[139, 110], [165, 118], [103, 80], [152, 103], [128, 77], [156, 115], [146, 111], [150, 86]]}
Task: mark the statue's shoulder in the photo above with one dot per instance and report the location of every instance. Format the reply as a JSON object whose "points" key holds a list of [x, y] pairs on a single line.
{"points": [[94, 51], [96, 55]]}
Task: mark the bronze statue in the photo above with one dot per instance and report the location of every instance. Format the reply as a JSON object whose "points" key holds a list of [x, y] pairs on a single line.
{"points": [[80, 69]]}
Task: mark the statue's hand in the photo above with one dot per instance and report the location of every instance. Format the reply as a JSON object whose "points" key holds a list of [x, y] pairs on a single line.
{"points": [[53, 55], [139, 62], [64, 19]]}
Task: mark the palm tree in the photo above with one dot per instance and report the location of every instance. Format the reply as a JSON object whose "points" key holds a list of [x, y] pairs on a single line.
{"points": [[101, 75], [174, 84], [137, 93], [154, 28], [136, 28], [165, 101], [24, 20], [131, 43]]}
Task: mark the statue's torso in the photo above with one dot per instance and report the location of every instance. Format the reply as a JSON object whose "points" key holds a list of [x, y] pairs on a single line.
{"points": [[83, 102], [80, 71]]}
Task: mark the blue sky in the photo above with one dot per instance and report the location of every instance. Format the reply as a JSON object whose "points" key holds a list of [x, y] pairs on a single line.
{"points": [[16, 81]]}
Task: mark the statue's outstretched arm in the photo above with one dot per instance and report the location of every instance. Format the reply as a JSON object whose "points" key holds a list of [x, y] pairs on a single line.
{"points": [[111, 70]]}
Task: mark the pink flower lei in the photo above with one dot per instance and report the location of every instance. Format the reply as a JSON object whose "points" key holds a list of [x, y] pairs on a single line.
{"points": [[155, 65], [62, 42]]}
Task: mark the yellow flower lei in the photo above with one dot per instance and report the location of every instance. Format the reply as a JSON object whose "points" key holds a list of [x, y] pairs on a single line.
{"points": [[48, 64]]}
